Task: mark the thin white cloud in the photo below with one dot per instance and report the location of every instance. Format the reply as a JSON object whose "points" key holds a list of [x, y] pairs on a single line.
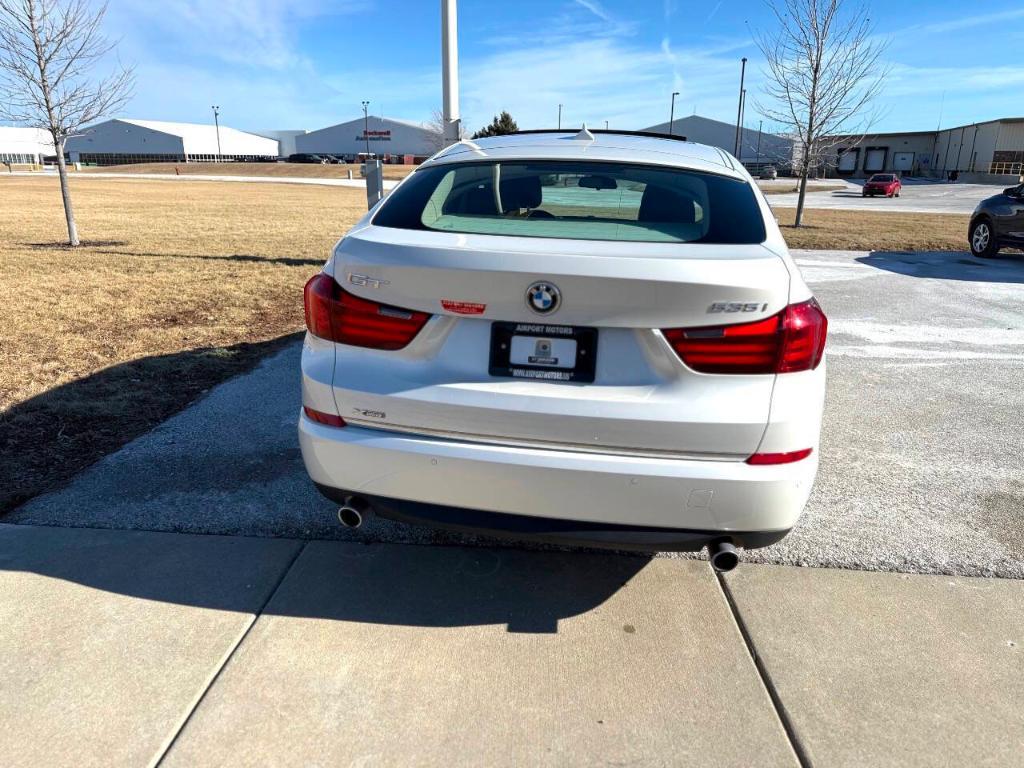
{"points": [[967, 22], [596, 9], [713, 11], [260, 34], [906, 81], [677, 78], [597, 80], [611, 23]]}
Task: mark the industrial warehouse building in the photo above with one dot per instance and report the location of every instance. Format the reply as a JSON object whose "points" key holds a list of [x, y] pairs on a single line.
{"points": [[285, 140], [388, 138], [992, 151], [24, 146], [150, 141], [757, 148]]}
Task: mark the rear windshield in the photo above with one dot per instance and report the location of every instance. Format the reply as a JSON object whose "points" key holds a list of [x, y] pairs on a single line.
{"points": [[576, 200], [881, 177]]}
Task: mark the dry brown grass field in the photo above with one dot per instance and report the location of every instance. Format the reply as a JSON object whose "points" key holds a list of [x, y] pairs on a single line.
{"points": [[874, 230], [179, 285], [286, 170]]}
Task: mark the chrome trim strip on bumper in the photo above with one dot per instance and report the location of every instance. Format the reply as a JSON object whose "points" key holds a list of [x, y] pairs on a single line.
{"points": [[543, 445]]}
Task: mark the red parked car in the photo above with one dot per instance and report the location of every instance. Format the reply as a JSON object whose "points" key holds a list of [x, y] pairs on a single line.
{"points": [[887, 184]]}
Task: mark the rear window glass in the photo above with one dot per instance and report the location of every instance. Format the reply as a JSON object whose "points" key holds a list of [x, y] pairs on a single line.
{"points": [[576, 200], [881, 177]]}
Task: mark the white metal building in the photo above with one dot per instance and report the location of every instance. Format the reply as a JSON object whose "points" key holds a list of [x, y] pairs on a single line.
{"points": [[995, 147], [756, 147], [392, 139], [114, 142], [990, 151], [285, 140], [24, 145]]}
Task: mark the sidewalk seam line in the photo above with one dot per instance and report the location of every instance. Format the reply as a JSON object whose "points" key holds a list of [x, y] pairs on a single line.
{"points": [[227, 658], [766, 680]]}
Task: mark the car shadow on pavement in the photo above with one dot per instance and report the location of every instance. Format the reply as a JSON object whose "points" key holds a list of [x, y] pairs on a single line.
{"points": [[949, 265], [430, 586], [389, 584], [288, 261], [49, 438]]}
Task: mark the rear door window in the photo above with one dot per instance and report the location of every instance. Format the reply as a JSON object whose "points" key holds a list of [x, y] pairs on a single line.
{"points": [[577, 200]]}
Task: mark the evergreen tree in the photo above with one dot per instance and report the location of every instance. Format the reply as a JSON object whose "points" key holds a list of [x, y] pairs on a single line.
{"points": [[501, 125]]}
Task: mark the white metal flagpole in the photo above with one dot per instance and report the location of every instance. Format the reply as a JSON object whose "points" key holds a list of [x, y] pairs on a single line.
{"points": [[450, 71]]}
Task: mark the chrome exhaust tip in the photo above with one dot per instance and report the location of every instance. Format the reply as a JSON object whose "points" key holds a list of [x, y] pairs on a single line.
{"points": [[353, 512], [723, 555]]}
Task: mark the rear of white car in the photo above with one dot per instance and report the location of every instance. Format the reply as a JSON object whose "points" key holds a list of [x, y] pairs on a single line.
{"points": [[589, 339]]}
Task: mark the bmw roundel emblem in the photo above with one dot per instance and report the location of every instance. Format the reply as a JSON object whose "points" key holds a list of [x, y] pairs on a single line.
{"points": [[543, 298]]}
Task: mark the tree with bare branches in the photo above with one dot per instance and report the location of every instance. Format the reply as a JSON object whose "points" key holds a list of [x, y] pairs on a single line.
{"points": [[47, 51], [823, 71]]}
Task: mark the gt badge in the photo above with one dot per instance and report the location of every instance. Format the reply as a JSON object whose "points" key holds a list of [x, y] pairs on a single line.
{"points": [[366, 280]]}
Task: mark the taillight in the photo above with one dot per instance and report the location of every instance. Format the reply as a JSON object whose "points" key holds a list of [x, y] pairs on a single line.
{"points": [[793, 340], [805, 327], [329, 419], [335, 315], [766, 459]]}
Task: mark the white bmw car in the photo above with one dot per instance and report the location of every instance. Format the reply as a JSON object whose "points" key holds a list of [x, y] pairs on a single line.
{"points": [[592, 338]]}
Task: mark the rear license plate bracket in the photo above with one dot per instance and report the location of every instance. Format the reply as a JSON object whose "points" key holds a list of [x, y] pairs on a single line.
{"points": [[543, 351]]}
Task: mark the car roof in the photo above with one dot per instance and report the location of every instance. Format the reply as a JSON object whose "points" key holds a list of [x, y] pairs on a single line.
{"points": [[607, 146]]}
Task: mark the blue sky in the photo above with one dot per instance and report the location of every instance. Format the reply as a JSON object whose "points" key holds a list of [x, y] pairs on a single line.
{"points": [[309, 63]]}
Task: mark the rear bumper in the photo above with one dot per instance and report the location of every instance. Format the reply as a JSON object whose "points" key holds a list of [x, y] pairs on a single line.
{"points": [[629, 501], [554, 531]]}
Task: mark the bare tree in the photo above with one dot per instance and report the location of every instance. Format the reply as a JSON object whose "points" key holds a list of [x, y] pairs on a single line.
{"points": [[823, 67], [47, 49], [436, 128]]}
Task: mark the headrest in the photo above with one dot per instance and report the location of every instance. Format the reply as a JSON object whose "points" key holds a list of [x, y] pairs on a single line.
{"points": [[666, 206], [521, 192]]}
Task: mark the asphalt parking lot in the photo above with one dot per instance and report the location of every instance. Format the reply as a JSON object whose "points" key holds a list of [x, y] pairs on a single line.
{"points": [[920, 453], [918, 196]]}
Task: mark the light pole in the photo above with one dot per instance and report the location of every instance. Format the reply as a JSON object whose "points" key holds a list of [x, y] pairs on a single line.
{"points": [[759, 124], [672, 113], [559, 117], [739, 109], [216, 123], [366, 127], [743, 117]]}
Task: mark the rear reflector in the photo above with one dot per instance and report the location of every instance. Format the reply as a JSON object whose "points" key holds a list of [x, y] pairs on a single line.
{"points": [[791, 341], [328, 419], [335, 315], [761, 459]]}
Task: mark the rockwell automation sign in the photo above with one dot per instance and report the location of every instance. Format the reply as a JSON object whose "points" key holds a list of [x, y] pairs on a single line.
{"points": [[374, 136]]}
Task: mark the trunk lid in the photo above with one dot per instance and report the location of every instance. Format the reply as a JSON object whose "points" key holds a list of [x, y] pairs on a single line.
{"points": [[643, 400]]}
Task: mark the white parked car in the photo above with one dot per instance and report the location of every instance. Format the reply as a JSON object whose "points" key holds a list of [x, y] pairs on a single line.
{"points": [[585, 338]]}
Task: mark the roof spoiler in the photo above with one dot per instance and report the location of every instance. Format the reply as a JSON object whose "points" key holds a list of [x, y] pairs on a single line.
{"points": [[611, 131]]}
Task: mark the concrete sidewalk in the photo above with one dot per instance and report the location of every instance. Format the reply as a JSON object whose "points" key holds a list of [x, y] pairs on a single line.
{"points": [[133, 648]]}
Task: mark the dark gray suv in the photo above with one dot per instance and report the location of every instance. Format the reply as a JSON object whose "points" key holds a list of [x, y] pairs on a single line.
{"points": [[998, 222]]}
